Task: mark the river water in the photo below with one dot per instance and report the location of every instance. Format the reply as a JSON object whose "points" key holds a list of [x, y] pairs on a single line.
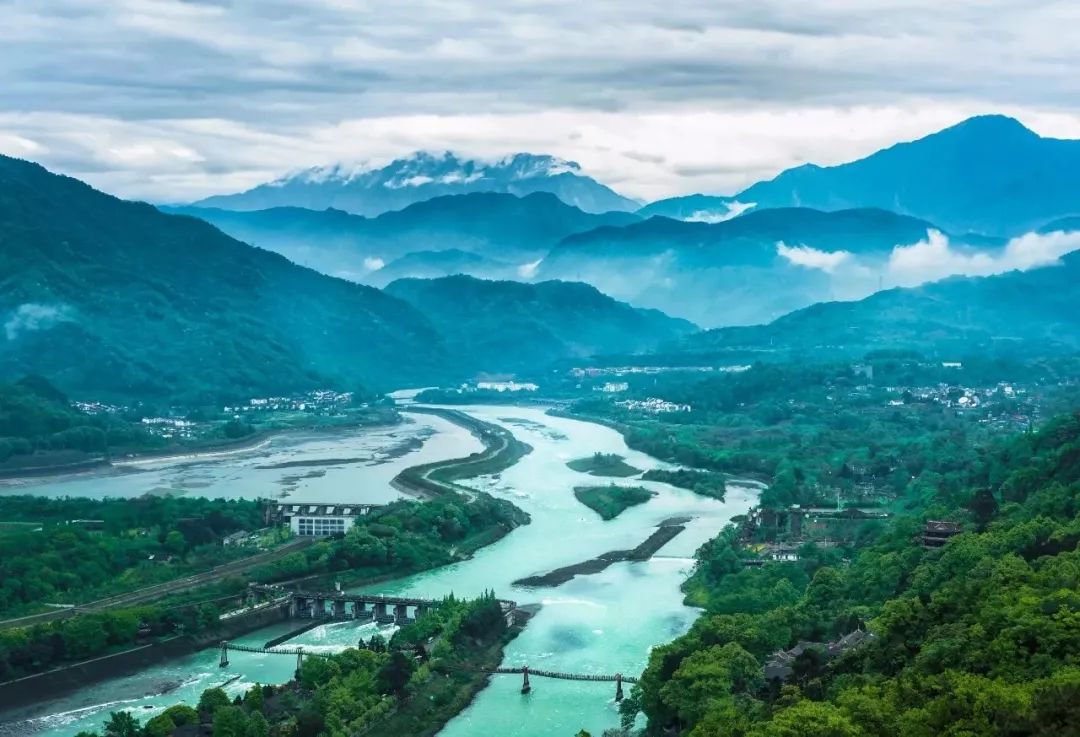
{"points": [[601, 623]]}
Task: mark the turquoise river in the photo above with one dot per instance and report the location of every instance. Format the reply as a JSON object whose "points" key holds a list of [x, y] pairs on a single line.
{"points": [[601, 623]]}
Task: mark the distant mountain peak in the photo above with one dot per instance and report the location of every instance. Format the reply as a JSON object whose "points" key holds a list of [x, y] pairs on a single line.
{"points": [[988, 174], [992, 123], [366, 189]]}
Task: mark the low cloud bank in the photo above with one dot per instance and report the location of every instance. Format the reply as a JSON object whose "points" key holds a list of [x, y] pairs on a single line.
{"points": [[31, 317], [929, 260], [936, 258], [734, 209], [812, 258]]}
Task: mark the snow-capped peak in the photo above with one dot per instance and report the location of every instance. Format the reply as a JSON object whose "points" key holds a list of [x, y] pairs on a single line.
{"points": [[424, 167], [370, 189]]}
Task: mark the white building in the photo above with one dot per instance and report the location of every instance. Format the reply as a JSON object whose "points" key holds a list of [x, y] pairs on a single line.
{"points": [[317, 520]]}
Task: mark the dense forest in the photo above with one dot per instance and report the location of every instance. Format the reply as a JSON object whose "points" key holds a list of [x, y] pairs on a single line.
{"points": [[978, 637], [166, 307], [804, 428]]}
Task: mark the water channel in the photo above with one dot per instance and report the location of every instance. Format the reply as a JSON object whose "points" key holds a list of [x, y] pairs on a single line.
{"points": [[602, 623]]}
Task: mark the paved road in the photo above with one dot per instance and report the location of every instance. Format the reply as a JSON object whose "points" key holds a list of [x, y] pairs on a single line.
{"points": [[156, 591]]}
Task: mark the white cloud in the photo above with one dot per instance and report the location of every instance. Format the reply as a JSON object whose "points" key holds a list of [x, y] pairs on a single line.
{"points": [[854, 276], [811, 258], [528, 270], [171, 160], [734, 209], [31, 317], [656, 99], [936, 258], [373, 263]]}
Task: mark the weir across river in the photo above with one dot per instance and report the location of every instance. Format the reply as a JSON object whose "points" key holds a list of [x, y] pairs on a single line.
{"points": [[339, 605]]}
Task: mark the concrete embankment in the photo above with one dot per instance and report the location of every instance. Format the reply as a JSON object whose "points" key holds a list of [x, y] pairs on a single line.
{"points": [[50, 684]]}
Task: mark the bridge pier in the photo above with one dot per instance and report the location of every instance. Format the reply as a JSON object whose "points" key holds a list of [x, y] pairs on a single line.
{"points": [[401, 614], [224, 655], [525, 687], [618, 687], [360, 611], [339, 609], [299, 661]]}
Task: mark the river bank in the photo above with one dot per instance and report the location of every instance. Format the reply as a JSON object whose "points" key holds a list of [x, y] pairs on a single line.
{"points": [[501, 451], [216, 449]]}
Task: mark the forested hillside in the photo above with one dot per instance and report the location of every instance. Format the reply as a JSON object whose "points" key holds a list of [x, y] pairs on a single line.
{"points": [[1017, 312], [510, 326], [979, 637], [156, 305]]}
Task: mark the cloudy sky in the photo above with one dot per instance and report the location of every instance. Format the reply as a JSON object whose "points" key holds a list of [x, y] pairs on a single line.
{"points": [[170, 100]]}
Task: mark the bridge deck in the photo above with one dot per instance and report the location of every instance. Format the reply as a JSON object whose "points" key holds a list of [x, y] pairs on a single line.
{"points": [[566, 676]]}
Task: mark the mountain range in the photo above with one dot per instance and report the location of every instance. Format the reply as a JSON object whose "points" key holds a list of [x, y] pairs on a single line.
{"points": [[733, 272], [116, 299], [372, 191], [713, 259], [496, 226]]}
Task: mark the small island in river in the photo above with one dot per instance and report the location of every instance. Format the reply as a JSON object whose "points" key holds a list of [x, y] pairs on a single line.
{"points": [[611, 501], [603, 464]]}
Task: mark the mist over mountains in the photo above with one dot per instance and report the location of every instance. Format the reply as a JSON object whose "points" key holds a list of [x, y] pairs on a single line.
{"points": [[116, 299], [1014, 312], [499, 227], [979, 198], [512, 279]]}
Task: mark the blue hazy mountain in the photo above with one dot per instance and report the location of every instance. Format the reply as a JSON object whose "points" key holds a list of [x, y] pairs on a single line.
{"points": [[730, 272], [421, 176], [435, 264], [1016, 311], [496, 226], [988, 174], [511, 326], [695, 208]]}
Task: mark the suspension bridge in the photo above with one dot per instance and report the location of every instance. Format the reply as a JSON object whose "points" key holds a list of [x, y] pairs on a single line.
{"points": [[618, 678]]}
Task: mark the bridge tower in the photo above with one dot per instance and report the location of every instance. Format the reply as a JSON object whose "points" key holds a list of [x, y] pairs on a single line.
{"points": [[618, 687], [224, 655], [299, 661], [525, 687]]}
